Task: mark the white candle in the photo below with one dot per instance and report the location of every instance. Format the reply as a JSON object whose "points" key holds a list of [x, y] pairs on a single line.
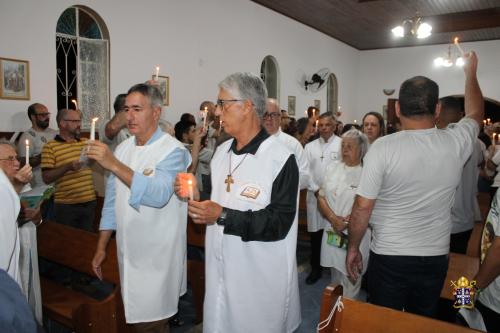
{"points": [[489, 121], [459, 47], [157, 72], [92, 129], [314, 112], [205, 113], [190, 189], [317, 122], [27, 152], [220, 126], [74, 102]]}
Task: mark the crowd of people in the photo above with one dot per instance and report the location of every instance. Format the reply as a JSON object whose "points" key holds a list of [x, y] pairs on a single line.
{"points": [[379, 207]]}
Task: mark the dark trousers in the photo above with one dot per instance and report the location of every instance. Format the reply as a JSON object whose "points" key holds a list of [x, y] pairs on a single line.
{"points": [[407, 282], [80, 215], [490, 317], [459, 241], [316, 238]]}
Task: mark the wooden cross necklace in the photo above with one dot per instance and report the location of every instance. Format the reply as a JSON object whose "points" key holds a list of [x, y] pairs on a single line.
{"points": [[229, 179]]}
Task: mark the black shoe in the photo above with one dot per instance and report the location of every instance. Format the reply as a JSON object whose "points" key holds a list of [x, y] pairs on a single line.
{"points": [[314, 276]]}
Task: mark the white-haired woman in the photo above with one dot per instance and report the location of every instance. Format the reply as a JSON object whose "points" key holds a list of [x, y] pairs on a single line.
{"points": [[335, 200]]}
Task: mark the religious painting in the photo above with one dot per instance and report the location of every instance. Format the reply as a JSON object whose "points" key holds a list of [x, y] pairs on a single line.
{"points": [[14, 79], [317, 104], [164, 84], [291, 105]]}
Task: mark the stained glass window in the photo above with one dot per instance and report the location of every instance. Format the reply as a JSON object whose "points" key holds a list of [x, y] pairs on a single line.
{"points": [[82, 64]]}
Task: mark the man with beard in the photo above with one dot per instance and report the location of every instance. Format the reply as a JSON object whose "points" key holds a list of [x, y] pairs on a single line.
{"points": [[74, 197], [38, 135]]}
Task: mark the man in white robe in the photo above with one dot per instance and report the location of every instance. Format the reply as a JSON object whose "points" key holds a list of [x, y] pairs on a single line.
{"points": [[251, 237], [320, 153], [150, 221], [271, 121], [12, 180]]}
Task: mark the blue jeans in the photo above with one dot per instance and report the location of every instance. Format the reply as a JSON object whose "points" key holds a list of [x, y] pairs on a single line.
{"points": [[407, 282]]}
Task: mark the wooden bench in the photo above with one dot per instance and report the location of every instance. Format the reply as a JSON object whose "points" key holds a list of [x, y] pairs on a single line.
{"points": [[196, 268], [75, 249], [362, 317]]}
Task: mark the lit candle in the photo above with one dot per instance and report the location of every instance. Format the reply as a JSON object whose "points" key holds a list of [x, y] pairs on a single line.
{"points": [[190, 189], [205, 113], [459, 47], [314, 112], [74, 102], [27, 152], [305, 112], [355, 121], [157, 72], [484, 122], [317, 121], [488, 121], [92, 129], [220, 126], [494, 138]]}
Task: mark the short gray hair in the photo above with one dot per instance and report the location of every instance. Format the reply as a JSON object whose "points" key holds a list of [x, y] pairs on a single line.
{"points": [[361, 139], [150, 91], [247, 86]]}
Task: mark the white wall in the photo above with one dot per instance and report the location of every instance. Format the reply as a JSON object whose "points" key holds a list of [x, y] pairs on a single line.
{"points": [[388, 68], [196, 43]]}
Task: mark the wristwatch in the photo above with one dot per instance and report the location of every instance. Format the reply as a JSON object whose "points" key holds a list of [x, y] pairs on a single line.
{"points": [[222, 218]]}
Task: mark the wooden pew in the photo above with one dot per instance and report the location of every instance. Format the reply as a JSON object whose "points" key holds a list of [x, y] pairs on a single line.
{"points": [[75, 249], [459, 265], [362, 317], [196, 268]]}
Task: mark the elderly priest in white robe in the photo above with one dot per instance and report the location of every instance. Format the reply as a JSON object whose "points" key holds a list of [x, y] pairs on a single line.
{"points": [[150, 221], [251, 237]]}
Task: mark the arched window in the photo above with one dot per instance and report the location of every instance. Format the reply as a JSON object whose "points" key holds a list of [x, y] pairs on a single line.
{"points": [[332, 94], [82, 51], [270, 74]]}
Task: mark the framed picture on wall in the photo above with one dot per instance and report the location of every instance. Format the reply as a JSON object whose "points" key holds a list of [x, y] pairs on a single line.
{"points": [[317, 104], [291, 105], [14, 79], [164, 83]]}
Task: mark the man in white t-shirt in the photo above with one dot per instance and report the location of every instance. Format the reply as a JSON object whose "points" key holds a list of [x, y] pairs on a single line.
{"points": [[38, 135], [406, 194]]}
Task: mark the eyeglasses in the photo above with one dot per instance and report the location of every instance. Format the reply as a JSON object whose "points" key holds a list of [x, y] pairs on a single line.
{"points": [[73, 120], [9, 158], [221, 102], [272, 115], [42, 114]]}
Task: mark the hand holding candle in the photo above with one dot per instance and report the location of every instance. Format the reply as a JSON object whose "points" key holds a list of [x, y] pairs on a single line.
{"points": [[27, 152]]}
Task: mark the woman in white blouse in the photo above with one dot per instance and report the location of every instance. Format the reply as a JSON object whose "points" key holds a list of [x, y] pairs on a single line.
{"points": [[335, 200]]}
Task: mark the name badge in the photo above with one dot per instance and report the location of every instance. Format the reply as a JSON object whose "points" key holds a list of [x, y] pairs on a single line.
{"points": [[148, 172], [250, 192]]}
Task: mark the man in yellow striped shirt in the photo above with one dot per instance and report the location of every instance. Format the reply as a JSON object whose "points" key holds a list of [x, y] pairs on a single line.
{"points": [[74, 198]]}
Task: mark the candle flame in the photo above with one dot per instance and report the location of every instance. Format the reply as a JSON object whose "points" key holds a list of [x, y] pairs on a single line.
{"points": [[190, 182], [206, 109], [75, 102], [27, 142], [95, 119], [456, 40], [157, 68]]}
